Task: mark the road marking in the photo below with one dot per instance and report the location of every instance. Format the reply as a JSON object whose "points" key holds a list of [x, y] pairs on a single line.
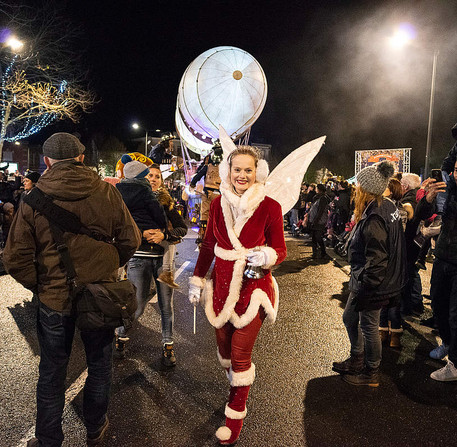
{"points": [[154, 299], [75, 388]]}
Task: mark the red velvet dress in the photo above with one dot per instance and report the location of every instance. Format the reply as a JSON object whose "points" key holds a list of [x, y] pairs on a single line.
{"points": [[233, 229]]}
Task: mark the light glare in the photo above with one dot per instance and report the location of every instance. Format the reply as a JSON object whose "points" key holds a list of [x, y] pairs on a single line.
{"points": [[14, 44]]}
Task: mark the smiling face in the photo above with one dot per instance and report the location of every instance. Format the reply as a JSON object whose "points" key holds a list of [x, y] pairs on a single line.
{"points": [[155, 178], [242, 172]]}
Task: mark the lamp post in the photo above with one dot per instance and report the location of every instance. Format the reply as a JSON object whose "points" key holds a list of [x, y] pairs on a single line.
{"points": [[403, 36], [430, 116], [136, 126]]}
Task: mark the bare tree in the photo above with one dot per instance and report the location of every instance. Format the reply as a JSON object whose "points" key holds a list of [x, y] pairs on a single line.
{"points": [[44, 82]]}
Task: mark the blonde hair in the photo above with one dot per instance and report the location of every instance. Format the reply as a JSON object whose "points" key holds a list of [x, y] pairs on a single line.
{"points": [[245, 150], [362, 199]]}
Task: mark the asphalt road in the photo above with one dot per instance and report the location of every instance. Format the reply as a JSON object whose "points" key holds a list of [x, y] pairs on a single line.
{"points": [[296, 399]]}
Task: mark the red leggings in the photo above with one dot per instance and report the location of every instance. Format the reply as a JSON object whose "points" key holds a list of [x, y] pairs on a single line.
{"points": [[237, 344]]}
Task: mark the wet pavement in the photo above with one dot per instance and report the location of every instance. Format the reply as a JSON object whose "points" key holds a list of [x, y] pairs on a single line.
{"points": [[296, 399]]}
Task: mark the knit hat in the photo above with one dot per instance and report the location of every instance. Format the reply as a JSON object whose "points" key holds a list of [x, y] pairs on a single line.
{"points": [[375, 178], [33, 176], [61, 146], [134, 168]]}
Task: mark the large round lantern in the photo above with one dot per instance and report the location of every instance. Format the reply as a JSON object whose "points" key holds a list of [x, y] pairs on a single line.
{"points": [[223, 86], [189, 139]]}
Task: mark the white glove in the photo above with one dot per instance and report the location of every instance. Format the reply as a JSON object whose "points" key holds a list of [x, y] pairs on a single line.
{"points": [[194, 294], [256, 258]]}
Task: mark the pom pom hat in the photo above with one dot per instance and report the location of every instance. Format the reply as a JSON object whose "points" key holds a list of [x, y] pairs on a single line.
{"points": [[134, 168], [375, 178]]}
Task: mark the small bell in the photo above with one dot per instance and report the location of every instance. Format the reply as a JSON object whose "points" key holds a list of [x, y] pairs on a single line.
{"points": [[254, 272]]}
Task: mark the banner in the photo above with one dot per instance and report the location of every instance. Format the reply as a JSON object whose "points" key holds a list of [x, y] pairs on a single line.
{"points": [[399, 157]]}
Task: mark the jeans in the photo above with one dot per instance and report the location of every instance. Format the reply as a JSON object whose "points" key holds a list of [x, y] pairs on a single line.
{"points": [[317, 240], [412, 292], [55, 336], [443, 292], [141, 271], [293, 220], [391, 314], [363, 331], [168, 256]]}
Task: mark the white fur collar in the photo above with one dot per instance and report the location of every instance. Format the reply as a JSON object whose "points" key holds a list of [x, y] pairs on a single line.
{"points": [[238, 210]]}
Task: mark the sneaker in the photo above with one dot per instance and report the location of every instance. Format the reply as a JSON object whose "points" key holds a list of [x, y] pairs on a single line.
{"points": [[369, 377], [33, 442], [167, 277], [168, 355], [97, 437], [352, 365], [439, 352], [446, 374]]}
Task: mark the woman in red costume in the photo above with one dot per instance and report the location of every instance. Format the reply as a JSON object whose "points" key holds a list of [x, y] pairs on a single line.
{"points": [[245, 227]]}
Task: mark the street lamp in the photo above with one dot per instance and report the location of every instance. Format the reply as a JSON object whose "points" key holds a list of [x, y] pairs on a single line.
{"points": [[136, 126], [14, 44], [403, 36]]}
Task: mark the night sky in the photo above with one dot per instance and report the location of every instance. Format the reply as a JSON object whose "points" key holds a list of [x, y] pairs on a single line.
{"points": [[329, 69]]}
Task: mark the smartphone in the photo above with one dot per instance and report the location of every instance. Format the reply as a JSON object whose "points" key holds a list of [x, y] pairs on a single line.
{"points": [[437, 175]]}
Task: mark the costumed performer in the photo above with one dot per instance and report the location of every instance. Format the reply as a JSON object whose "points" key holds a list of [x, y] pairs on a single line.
{"points": [[244, 227], [209, 169]]}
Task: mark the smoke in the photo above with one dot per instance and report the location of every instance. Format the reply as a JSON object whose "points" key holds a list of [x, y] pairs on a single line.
{"points": [[371, 95]]}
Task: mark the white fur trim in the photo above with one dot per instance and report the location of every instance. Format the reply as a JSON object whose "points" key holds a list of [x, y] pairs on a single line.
{"points": [[233, 414], [230, 255], [271, 257], [197, 281], [223, 433], [262, 171], [225, 363], [258, 298], [243, 378]]}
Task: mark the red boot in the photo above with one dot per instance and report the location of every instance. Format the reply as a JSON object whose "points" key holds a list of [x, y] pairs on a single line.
{"points": [[235, 412]]}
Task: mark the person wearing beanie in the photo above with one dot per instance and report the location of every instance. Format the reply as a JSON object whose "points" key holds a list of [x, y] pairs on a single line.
{"points": [[30, 179], [377, 255], [145, 264]]}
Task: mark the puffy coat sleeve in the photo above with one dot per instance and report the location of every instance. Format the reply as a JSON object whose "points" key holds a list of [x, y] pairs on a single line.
{"points": [[274, 236], [19, 253]]}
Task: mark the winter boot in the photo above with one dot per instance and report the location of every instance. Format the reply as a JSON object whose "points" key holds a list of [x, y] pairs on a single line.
{"points": [[368, 376], [167, 277], [384, 335], [235, 412], [168, 355], [353, 365], [120, 344], [395, 340]]}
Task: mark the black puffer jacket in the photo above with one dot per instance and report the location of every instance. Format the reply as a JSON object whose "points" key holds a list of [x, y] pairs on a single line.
{"points": [[145, 209], [377, 255], [446, 246]]}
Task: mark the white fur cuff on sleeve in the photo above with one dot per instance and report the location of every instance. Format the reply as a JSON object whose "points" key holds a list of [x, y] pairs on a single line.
{"points": [[197, 281], [271, 256]]}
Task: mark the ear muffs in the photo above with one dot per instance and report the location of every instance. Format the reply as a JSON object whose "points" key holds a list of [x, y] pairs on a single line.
{"points": [[262, 171]]}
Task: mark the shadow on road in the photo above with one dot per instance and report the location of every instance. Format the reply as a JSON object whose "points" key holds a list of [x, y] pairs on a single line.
{"points": [[403, 410], [343, 295]]}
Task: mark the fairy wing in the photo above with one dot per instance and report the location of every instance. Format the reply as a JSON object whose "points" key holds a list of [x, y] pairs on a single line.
{"points": [[283, 184]]}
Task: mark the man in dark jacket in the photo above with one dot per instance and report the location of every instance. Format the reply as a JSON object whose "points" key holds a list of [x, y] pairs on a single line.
{"points": [[444, 276], [317, 220], [32, 259], [378, 259]]}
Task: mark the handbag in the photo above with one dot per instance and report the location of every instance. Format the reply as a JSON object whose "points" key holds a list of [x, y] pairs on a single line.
{"points": [[99, 305]]}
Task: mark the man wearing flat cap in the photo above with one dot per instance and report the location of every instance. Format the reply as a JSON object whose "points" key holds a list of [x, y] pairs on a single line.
{"points": [[32, 259]]}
